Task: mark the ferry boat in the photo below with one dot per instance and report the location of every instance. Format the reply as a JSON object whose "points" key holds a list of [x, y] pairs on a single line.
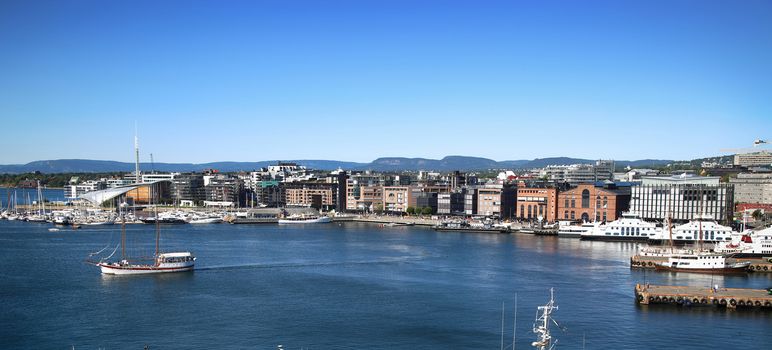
{"points": [[702, 262], [305, 219], [628, 228], [750, 244], [576, 231], [702, 229]]}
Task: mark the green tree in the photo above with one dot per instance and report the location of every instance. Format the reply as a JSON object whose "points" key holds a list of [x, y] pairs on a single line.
{"points": [[757, 215], [426, 211], [410, 210]]}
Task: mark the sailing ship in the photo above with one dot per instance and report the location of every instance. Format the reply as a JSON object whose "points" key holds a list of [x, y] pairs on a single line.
{"points": [[702, 262], [158, 263], [541, 326]]}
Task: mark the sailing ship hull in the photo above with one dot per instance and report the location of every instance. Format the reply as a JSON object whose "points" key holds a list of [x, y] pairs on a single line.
{"points": [[115, 269]]}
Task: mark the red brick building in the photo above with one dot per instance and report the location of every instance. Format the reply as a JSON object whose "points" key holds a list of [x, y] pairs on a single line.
{"points": [[587, 201]]}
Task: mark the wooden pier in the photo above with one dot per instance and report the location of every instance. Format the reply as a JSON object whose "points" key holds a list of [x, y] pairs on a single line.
{"points": [[700, 296]]}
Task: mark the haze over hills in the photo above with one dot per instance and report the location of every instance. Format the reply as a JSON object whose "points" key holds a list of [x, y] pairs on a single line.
{"points": [[448, 163]]}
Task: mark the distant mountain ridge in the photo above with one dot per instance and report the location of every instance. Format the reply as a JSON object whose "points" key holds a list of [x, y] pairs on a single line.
{"points": [[448, 163]]}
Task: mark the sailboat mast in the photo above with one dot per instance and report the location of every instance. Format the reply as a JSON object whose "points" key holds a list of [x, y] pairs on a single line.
{"points": [[136, 151], [157, 228], [123, 237]]}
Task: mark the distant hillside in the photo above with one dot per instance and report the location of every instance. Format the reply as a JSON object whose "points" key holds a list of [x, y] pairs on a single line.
{"points": [[105, 166], [448, 163]]}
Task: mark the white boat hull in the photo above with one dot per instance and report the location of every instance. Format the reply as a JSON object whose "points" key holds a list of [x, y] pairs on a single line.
{"points": [[206, 221], [116, 269], [321, 220]]}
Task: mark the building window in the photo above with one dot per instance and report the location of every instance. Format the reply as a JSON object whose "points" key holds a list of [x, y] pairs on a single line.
{"points": [[522, 210], [566, 215], [585, 198], [573, 203], [573, 215], [566, 203]]}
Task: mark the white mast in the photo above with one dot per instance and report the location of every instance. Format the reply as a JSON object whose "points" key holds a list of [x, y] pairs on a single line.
{"points": [[541, 326], [136, 151]]}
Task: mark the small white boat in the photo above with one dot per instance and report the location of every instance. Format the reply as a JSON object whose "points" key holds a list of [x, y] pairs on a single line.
{"points": [[53, 229], [205, 221]]}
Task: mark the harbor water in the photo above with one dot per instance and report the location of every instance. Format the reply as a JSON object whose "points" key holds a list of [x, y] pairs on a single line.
{"points": [[348, 286]]}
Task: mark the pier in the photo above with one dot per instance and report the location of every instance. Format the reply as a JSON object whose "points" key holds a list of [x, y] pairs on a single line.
{"points": [[731, 298]]}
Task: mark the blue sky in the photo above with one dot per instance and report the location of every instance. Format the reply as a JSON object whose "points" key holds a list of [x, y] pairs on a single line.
{"points": [[356, 80]]}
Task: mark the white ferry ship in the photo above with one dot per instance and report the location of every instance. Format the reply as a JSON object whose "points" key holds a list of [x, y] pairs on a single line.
{"points": [[565, 229], [628, 228], [702, 228], [750, 244]]}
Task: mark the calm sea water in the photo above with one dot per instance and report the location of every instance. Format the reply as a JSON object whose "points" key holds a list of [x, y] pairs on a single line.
{"points": [[349, 286]]}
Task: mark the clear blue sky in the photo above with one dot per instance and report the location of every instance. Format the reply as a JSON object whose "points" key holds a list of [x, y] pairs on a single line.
{"points": [[356, 80]]}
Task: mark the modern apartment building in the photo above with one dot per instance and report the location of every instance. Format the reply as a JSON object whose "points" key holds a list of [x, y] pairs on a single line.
{"points": [[683, 198]]}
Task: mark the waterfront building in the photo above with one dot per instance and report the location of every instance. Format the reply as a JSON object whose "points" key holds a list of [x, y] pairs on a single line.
{"points": [[269, 193], [396, 198], [451, 203], [683, 198], [222, 190], [593, 202], [533, 202], [763, 158], [318, 194], [489, 200], [470, 202], [188, 188]]}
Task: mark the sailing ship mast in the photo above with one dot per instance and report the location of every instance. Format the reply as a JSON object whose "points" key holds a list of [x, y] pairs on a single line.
{"points": [[541, 326]]}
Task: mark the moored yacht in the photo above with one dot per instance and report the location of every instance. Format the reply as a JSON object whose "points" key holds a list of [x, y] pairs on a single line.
{"points": [[304, 219]]}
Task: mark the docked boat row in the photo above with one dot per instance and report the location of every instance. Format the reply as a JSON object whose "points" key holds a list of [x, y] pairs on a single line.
{"points": [[631, 228]]}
